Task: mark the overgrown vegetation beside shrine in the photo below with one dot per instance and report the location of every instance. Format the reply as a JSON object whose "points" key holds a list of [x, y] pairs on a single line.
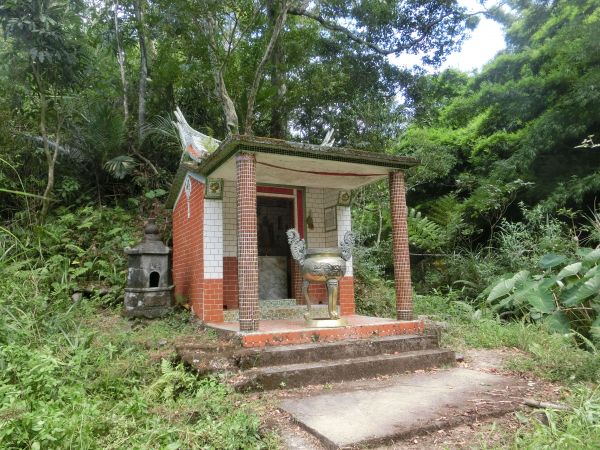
{"points": [[74, 373]]}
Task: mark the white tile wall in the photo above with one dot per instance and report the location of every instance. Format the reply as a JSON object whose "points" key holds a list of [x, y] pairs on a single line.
{"points": [[314, 207], [213, 238], [229, 219]]}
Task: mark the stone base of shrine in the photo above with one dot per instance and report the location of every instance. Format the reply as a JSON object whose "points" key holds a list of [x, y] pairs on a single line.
{"points": [[296, 331]]}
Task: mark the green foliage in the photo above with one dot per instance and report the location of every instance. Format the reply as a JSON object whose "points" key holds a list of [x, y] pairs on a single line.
{"points": [[172, 382], [376, 298], [78, 375], [424, 233], [120, 166], [556, 357], [44, 34], [564, 296], [513, 132]]}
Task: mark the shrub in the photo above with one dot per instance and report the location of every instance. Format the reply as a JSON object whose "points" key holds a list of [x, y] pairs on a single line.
{"points": [[565, 295], [553, 356]]}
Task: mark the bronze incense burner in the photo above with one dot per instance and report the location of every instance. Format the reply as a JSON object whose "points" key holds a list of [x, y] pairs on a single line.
{"points": [[324, 266]]}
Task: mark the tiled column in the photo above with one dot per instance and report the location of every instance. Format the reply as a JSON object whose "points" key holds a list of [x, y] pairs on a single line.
{"points": [[404, 308], [247, 247]]}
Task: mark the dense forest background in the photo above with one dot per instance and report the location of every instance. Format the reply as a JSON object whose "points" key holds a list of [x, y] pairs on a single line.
{"points": [[509, 159], [503, 220]]}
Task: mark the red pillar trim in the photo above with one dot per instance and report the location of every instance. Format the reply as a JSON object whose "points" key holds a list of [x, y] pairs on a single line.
{"points": [[400, 250], [300, 212], [247, 247]]}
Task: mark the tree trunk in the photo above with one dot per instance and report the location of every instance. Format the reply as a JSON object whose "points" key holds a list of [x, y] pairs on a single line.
{"points": [[49, 158], [121, 62], [51, 155], [278, 126], [277, 27], [143, 80], [230, 115], [380, 229]]}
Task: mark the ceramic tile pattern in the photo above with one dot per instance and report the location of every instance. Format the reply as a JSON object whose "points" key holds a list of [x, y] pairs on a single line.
{"points": [[400, 246], [229, 220], [213, 239], [247, 249], [315, 237], [208, 265], [188, 256], [294, 331]]}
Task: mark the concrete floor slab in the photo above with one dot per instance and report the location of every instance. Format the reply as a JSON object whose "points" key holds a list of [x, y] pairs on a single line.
{"points": [[406, 405]]}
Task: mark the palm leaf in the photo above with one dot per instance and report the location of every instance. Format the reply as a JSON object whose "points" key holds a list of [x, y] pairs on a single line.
{"points": [[121, 166]]}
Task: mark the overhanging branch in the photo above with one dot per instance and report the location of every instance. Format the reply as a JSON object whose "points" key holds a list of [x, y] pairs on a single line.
{"points": [[333, 26]]}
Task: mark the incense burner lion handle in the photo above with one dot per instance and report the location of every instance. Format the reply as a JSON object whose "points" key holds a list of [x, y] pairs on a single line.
{"points": [[321, 265]]}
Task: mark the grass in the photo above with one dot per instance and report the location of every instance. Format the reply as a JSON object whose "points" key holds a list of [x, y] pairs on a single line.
{"points": [[109, 383], [555, 357], [578, 428]]}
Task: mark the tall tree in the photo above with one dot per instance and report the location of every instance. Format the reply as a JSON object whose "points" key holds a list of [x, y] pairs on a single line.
{"points": [[511, 133], [46, 45], [246, 42], [138, 6], [121, 60]]}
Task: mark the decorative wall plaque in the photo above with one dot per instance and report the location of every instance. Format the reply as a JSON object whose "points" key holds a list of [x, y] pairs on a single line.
{"points": [[214, 189], [331, 218], [344, 198]]}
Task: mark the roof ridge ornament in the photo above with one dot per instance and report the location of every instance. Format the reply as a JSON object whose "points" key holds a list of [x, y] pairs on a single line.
{"points": [[195, 145]]}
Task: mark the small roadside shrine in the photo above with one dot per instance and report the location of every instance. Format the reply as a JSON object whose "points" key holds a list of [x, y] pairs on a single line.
{"points": [[233, 202]]}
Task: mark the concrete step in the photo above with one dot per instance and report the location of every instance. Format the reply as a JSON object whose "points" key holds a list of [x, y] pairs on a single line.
{"points": [[388, 412], [279, 312], [306, 353], [322, 372]]}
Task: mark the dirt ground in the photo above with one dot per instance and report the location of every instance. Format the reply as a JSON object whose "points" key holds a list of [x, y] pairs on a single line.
{"points": [[495, 431]]}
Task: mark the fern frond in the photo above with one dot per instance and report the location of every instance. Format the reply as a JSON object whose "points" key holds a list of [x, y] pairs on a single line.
{"points": [[173, 380], [422, 232]]}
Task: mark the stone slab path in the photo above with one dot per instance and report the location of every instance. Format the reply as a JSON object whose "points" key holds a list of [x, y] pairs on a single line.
{"points": [[367, 413]]}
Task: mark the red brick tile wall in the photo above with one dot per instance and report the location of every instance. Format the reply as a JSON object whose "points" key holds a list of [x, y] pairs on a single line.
{"points": [[401, 255], [318, 293], [346, 300], [358, 329], [230, 282], [213, 300], [247, 242], [188, 249]]}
